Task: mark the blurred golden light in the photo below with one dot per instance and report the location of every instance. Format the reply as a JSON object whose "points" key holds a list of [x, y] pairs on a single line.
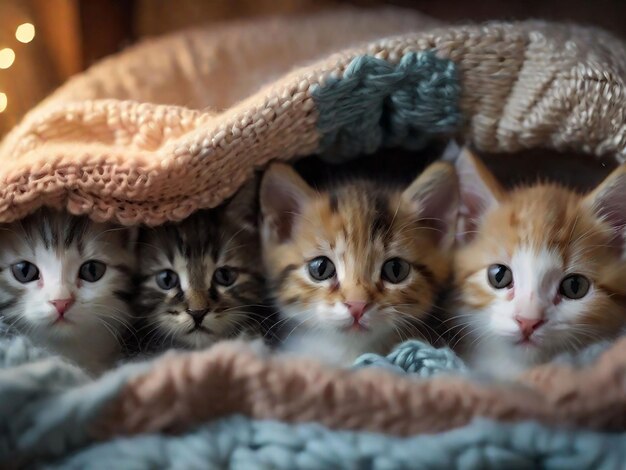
{"points": [[7, 56], [25, 33], [3, 102]]}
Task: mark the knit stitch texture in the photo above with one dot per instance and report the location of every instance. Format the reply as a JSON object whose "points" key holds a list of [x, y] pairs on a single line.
{"points": [[376, 103], [240, 444], [181, 122], [51, 411]]}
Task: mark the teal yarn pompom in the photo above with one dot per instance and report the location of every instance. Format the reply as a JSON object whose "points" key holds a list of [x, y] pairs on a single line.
{"points": [[380, 104], [415, 357]]}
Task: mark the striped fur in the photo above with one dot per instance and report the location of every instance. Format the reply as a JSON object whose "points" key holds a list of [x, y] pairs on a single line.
{"points": [[58, 244], [543, 233], [359, 226], [195, 250]]}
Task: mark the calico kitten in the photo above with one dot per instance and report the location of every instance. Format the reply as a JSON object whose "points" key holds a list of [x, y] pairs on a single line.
{"points": [[356, 267], [539, 271], [66, 282], [202, 279]]}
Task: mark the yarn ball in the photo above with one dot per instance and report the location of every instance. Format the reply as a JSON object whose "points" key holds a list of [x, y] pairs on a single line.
{"points": [[415, 357]]}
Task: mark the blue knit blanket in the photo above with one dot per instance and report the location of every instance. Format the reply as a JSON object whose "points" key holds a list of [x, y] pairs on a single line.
{"points": [[47, 407]]}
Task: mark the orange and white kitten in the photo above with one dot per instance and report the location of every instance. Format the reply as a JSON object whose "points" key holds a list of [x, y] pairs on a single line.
{"points": [[539, 271], [355, 267]]}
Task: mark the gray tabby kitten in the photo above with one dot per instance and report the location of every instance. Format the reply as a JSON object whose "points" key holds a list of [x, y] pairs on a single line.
{"points": [[202, 279], [66, 282]]}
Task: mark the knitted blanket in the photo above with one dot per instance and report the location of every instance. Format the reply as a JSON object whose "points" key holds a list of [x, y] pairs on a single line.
{"points": [[221, 409], [181, 122]]}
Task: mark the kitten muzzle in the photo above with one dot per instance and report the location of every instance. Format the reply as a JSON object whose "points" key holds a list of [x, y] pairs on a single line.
{"points": [[198, 315], [528, 325], [62, 305], [357, 309], [201, 329]]}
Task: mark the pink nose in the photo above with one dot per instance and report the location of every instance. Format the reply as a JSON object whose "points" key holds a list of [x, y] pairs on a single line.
{"points": [[528, 325], [62, 305], [357, 309]]}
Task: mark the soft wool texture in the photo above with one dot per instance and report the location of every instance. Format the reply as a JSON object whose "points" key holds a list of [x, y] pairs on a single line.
{"points": [[180, 122], [63, 414], [189, 389], [241, 444]]}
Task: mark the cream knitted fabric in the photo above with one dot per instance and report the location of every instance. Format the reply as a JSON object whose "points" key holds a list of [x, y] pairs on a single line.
{"points": [[181, 122]]}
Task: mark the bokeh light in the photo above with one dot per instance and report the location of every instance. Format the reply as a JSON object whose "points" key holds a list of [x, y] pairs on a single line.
{"points": [[25, 33], [7, 57], [3, 102]]}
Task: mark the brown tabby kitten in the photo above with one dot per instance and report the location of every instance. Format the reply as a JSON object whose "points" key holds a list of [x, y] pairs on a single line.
{"points": [[201, 279], [356, 267]]}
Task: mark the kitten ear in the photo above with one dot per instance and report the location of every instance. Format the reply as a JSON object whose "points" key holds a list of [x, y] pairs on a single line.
{"points": [[451, 152], [282, 197], [435, 197], [608, 201], [479, 190], [244, 205]]}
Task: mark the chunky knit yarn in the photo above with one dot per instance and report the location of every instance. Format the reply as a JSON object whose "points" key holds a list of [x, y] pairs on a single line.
{"points": [[181, 122], [240, 444], [415, 357], [49, 409], [377, 103]]}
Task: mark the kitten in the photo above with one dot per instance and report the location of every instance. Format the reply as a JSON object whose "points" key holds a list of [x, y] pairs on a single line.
{"points": [[539, 271], [202, 279], [65, 282], [355, 268]]}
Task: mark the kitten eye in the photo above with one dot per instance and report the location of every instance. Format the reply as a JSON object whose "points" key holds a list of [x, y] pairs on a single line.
{"points": [[225, 276], [499, 276], [167, 279], [395, 270], [25, 272], [574, 286], [92, 271], [321, 268]]}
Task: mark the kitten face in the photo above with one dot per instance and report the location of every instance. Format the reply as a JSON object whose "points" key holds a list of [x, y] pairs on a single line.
{"points": [[202, 278], [359, 262], [65, 281], [540, 270]]}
